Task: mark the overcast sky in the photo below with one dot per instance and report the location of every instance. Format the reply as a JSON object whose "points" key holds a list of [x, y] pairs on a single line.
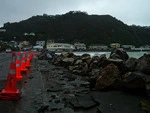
{"points": [[129, 11]]}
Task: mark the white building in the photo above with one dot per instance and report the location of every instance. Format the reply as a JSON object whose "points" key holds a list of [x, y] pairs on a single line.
{"points": [[2, 30], [59, 47], [29, 34], [115, 45], [127, 46], [40, 43], [80, 46], [98, 47]]}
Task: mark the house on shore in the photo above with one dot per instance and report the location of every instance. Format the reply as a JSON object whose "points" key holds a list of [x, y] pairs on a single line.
{"points": [[79, 46], [98, 47], [2, 30], [40, 43], [142, 48], [115, 45], [127, 47], [58, 47], [25, 45]]}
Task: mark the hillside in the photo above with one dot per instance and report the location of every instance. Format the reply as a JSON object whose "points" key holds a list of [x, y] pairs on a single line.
{"points": [[77, 26]]}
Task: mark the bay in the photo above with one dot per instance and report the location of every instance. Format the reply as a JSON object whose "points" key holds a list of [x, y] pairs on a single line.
{"points": [[135, 54]]}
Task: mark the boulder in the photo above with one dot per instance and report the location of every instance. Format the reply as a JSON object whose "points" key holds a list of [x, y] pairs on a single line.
{"points": [[93, 64], [95, 72], [119, 63], [114, 56], [143, 64], [85, 67], [119, 54], [79, 61], [108, 76], [131, 64], [68, 60], [134, 82], [85, 57], [77, 72], [103, 61], [71, 68], [148, 88], [84, 101], [81, 69], [67, 54]]}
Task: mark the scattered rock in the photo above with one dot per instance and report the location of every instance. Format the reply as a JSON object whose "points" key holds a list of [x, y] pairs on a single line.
{"points": [[108, 77], [137, 78], [84, 101], [145, 105], [119, 54], [43, 108], [143, 64], [131, 64]]}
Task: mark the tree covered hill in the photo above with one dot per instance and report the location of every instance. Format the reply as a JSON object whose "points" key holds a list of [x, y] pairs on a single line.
{"points": [[77, 26]]}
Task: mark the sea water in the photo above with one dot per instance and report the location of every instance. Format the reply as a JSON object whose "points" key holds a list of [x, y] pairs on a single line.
{"points": [[135, 54]]}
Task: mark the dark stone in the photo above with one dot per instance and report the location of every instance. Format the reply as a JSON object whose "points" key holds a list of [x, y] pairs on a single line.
{"points": [[106, 109], [119, 54], [50, 101], [143, 64], [86, 101], [85, 55], [57, 101], [53, 96], [131, 63], [63, 99], [92, 83], [53, 86], [30, 77], [120, 64], [134, 83], [43, 108], [74, 102], [108, 76], [54, 109], [85, 84]]}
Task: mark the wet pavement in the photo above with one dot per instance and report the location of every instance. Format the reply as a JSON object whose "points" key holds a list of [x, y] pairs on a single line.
{"points": [[66, 91], [5, 106], [31, 91], [5, 60], [51, 89]]}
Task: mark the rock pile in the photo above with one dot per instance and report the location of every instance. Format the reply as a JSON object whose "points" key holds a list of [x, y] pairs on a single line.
{"points": [[119, 71]]}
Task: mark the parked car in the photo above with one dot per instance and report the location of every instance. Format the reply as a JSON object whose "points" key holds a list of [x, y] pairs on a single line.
{"points": [[8, 50]]}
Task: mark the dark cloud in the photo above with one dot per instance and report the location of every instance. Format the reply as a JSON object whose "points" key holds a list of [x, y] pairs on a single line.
{"points": [[129, 11]]}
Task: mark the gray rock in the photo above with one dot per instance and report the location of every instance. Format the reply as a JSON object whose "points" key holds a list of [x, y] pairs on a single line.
{"points": [[131, 63], [86, 101], [43, 108], [108, 76], [143, 64], [134, 81], [119, 54], [79, 61]]}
